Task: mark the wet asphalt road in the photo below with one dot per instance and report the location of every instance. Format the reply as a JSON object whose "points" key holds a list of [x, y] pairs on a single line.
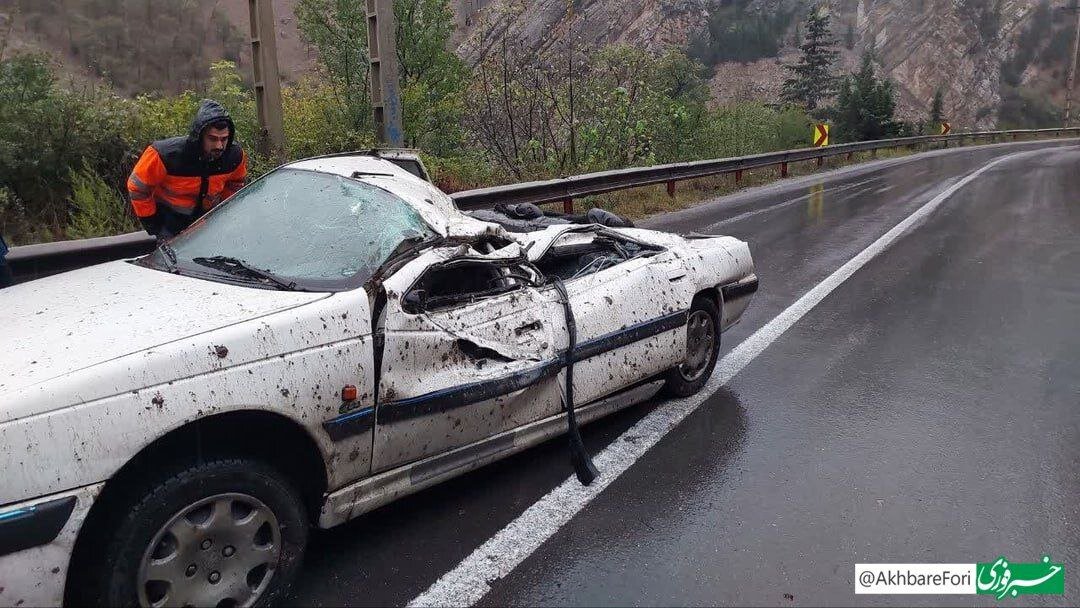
{"points": [[928, 410]]}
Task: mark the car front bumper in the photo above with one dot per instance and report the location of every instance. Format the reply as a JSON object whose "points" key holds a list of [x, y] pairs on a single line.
{"points": [[36, 540], [737, 297]]}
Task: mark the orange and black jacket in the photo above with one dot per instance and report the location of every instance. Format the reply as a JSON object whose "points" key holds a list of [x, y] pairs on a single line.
{"points": [[172, 185]]}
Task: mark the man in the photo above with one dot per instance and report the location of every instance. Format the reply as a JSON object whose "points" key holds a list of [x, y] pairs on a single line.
{"points": [[178, 179]]}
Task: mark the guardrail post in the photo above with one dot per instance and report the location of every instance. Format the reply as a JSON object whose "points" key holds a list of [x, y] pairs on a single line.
{"points": [[671, 188], [738, 176], [820, 160], [568, 205], [850, 155], [783, 169]]}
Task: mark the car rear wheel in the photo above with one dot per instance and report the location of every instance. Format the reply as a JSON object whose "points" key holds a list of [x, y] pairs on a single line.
{"points": [[702, 349], [225, 532]]}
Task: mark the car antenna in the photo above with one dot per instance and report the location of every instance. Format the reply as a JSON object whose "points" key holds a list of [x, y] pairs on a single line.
{"points": [[583, 465]]}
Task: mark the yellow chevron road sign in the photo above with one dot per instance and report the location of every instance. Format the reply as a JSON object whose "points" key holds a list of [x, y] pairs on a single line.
{"points": [[821, 135]]}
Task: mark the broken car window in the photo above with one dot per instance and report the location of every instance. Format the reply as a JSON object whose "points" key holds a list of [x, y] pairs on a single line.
{"points": [[579, 254], [303, 226], [462, 283]]}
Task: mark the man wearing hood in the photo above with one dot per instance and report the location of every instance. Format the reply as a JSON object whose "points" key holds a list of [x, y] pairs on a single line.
{"points": [[177, 180]]}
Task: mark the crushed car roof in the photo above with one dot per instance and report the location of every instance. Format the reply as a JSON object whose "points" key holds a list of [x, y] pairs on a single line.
{"points": [[435, 206]]}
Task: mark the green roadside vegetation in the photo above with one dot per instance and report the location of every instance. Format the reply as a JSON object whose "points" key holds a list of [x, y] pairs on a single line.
{"points": [[66, 150]]}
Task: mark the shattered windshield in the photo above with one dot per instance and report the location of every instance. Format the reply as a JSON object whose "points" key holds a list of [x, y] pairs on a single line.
{"points": [[299, 228]]}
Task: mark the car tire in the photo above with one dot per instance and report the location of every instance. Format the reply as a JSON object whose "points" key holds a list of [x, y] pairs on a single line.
{"points": [[702, 346], [226, 531]]}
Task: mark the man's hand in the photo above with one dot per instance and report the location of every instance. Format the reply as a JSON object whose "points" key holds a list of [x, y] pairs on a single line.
{"points": [[152, 225]]}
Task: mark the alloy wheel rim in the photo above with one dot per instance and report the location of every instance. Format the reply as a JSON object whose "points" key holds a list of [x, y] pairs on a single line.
{"points": [[700, 336], [219, 551]]}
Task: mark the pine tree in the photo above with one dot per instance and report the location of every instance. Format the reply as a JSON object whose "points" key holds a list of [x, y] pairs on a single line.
{"points": [[937, 108], [866, 106], [812, 80]]}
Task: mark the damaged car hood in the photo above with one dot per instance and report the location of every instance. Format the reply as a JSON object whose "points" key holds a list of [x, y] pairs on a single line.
{"points": [[76, 320]]}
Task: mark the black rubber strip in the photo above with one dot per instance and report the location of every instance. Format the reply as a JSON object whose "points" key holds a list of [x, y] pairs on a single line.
{"points": [[33, 526], [629, 335], [739, 289], [351, 424], [579, 457], [356, 423], [460, 396]]}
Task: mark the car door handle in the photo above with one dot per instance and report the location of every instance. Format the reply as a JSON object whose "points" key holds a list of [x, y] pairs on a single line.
{"points": [[528, 327], [676, 273]]}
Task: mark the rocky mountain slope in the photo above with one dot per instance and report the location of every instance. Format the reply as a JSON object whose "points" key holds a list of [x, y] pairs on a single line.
{"points": [[140, 46], [957, 45], [960, 46]]}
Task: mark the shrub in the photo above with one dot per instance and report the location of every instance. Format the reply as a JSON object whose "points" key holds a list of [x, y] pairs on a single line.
{"points": [[98, 209]]}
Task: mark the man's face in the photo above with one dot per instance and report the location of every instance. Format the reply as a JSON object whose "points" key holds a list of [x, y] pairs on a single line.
{"points": [[214, 142]]}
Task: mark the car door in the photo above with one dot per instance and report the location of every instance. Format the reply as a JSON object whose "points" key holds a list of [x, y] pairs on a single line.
{"points": [[466, 353], [629, 307]]}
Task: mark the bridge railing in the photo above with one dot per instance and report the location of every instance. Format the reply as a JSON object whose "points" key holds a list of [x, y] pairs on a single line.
{"points": [[34, 261]]}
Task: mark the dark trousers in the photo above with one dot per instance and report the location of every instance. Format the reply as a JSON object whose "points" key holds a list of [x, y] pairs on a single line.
{"points": [[5, 274]]}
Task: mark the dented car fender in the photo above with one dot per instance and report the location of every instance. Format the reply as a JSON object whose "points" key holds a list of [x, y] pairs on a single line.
{"points": [[292, 363]]}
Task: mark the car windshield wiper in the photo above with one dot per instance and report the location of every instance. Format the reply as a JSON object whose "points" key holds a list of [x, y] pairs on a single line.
{"points": [[236, 266], [169, 255], [411, 243], [409, 246]]}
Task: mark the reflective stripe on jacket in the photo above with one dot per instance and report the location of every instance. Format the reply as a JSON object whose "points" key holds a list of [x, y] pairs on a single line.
{"points": [[152, 186]]}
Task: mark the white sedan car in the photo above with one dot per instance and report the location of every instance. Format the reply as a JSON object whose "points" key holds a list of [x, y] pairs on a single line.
{"points": [[335, 336]]}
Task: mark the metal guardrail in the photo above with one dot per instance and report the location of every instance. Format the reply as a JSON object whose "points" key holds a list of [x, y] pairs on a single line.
{"points": [[34, 261], [569, 188]]}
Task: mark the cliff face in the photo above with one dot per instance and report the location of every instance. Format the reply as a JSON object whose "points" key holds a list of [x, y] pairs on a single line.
{"points": [[543, 24], [957, 45], [937, 45]]}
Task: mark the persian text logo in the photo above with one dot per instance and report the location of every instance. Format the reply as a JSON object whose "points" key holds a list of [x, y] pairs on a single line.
{"points": [[1002, 578]]}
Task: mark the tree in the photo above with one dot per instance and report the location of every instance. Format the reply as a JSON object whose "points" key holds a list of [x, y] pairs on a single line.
{"points": [[937, 107], [432, 77], [633, 107], [337, 29], [866, 106], [812, 80]]}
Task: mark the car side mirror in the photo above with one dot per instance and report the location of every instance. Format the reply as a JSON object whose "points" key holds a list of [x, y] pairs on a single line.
{"points": [[415, 300]]}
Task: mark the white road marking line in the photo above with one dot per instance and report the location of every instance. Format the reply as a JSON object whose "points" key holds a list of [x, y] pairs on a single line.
{"points": [[498, 556]]}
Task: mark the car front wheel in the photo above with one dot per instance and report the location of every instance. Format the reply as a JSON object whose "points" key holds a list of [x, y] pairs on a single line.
{"points": [[225, 532], [702, 349]]}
